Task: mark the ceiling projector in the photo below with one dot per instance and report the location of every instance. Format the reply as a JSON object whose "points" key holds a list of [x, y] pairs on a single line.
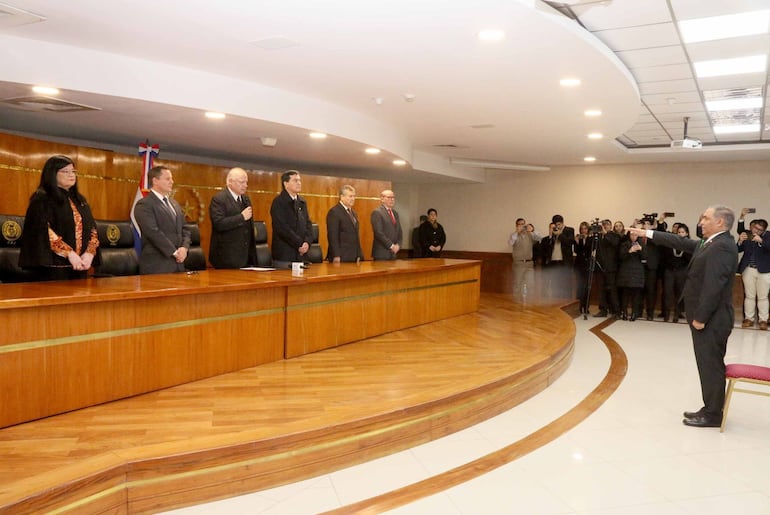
{"points": [[686, 143]]}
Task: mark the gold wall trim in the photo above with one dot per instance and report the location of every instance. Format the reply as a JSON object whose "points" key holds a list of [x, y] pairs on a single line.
{"points": [[67, 340]]}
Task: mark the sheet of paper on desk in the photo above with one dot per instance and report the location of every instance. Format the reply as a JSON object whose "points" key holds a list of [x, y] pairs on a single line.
{"points": [[258, 268]]}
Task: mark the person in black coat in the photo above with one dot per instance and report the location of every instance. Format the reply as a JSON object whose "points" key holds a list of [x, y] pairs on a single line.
{"points": [[631, 253], [59, 240], [432, 236], [232, 229], [674, 275], [582, 263], [292, 227], [607, 267], [342, 229], [708, 303]]}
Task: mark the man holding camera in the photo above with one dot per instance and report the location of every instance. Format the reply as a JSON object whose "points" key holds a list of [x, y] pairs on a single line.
{"points": [[558, 255], [607, 268], [754, 269]]}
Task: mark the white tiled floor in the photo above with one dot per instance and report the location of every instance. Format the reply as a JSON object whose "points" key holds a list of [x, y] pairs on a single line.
{"points": [[633, 456]]}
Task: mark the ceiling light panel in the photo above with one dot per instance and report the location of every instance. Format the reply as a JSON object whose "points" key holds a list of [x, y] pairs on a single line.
{"points": [[734, 66], [734, 103], [725, 27]]}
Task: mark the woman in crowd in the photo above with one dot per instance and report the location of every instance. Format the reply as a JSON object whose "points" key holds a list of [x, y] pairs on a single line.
{"points": [[631, 276], [581, 264], [674, 274], [59, 239]]}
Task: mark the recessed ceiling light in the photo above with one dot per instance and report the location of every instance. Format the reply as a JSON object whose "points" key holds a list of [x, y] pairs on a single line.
{"points": [[372, 150], [734, 66], [318, 135], [734, 103], [214, 116], [491, 35], [736, 129], [399, 162], [595, 135], [569, 82], [592, 112], [723, 27], [589, 159], [45, 90]]}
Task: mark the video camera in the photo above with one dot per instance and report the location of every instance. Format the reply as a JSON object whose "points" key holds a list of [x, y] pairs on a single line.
{"points": [[595, 227], [648, 217]]}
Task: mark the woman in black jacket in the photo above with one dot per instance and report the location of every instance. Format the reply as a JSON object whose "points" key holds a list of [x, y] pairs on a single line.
{"points": [[59, 239], [631, 276]]}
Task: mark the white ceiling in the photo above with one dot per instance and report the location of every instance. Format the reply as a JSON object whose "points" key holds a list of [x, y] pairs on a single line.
{"points": [[282, 69]]}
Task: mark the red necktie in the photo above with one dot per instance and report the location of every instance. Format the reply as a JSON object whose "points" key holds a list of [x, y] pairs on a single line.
{"points": [[392, 218]]}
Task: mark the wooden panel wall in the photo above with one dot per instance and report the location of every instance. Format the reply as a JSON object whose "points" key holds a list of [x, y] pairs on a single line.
{"points": [[109, 181]]}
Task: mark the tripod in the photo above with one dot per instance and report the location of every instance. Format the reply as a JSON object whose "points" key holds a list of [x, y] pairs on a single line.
{"points": [[592, 264]]}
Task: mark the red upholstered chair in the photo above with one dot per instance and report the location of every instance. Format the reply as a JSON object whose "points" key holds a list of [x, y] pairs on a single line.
{"points": [[737, 372]]}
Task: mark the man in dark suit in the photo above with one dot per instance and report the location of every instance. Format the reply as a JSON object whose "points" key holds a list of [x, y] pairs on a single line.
{"points": [[342, 229], [165, 240], [387, 228], [292, 228], [232, 230], [708, 301], [558, 256]]}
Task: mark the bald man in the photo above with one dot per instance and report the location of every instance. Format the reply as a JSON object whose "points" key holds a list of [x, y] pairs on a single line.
{"points": [[232, 231], [387, 228]]}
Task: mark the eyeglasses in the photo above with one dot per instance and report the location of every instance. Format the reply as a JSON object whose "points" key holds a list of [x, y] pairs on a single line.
{"points": [[70, 172]]}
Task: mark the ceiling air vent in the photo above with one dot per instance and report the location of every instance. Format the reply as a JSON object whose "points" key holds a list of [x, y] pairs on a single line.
{"points": [[48, 104]]}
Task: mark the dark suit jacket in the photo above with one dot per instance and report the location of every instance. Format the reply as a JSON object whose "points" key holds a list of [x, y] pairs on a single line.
{"points": [[708, 291], [760, 253], [291, 227], [567, 242], [385, 233], [232, 237], [343, 236], [162, 234]]}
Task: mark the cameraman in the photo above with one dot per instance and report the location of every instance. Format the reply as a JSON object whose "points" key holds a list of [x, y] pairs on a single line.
{"points": [[607, 268], [558, 251], [754, 268], [653, 272]]}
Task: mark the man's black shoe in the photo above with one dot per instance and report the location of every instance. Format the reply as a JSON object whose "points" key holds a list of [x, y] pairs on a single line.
{"points": [[649, 318], [693, 414], [600, 313], [703, 420]]}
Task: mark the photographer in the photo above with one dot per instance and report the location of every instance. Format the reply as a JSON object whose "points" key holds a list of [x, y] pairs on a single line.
{"points": [[754, 268], [582, 263], [607, 268], [558, 252], [652, 269]]}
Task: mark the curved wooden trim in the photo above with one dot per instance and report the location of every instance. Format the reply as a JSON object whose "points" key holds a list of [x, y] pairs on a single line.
{"points": [[531, 442]]}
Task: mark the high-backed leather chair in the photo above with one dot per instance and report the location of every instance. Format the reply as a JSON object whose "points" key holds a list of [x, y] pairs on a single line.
{"points": [[11, 228], [196, 259], [264, 257], [315, 253], [116, 249]]}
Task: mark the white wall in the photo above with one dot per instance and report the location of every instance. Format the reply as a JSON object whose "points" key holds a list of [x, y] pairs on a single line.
{"points": [[479, 217]]}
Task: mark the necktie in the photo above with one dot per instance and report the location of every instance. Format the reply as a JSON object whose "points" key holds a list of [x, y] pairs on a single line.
{"points": [[168, 207], [351, 215], [240, 202], [392, 218]]}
